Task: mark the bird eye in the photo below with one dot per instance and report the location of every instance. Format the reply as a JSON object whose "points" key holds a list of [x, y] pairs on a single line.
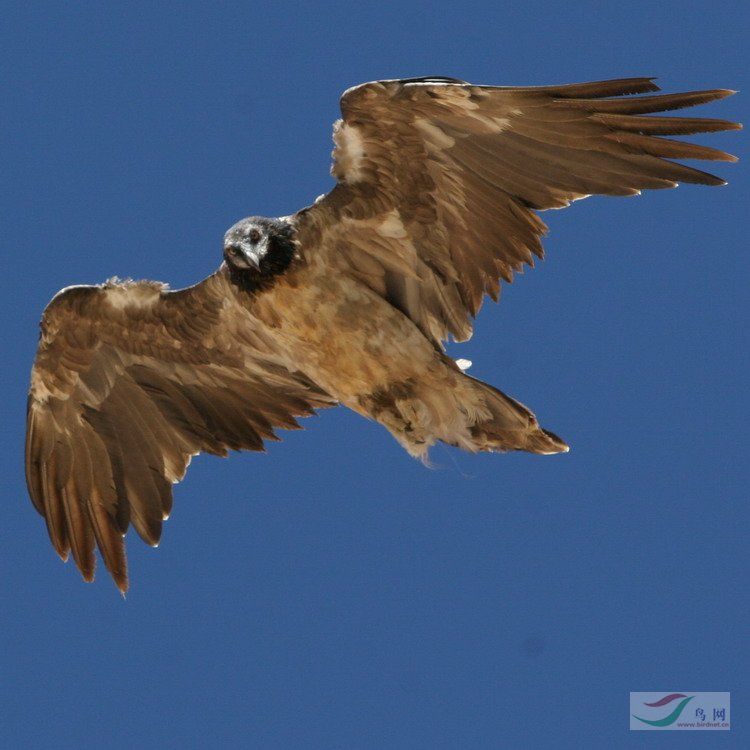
{"points": [[232, 250], [254, 235]]}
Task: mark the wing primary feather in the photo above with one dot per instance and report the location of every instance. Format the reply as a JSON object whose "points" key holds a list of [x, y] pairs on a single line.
{"points": [[110, 541], [666, 147], [594, 89], [39, 444], [79, 530], [645, 104], [664, 125], [54, 514], [101, 500]]}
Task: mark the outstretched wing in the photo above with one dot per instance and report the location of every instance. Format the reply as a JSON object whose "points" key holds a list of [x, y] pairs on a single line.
{"points": [[438, 180], [130, 381]]}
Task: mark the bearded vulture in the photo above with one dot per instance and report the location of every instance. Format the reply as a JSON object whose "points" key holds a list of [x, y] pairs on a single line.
{"points": [[346, 301]]}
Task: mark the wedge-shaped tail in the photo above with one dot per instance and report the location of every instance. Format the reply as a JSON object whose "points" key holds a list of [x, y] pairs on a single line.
{"points": [[512, 427]]}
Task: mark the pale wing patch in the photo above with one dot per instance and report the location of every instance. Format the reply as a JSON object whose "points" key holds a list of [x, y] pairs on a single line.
{"points": [[392, 226], [41, 392], [435, 138], [133, 294], [349, 153]]}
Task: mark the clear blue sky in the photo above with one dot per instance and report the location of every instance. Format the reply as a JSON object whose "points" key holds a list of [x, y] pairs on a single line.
{"points": [[334, 593]]}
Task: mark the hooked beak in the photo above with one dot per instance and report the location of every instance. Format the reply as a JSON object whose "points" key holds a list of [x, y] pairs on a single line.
{"points": [[251, 257], [244, 255], [252, 253]]}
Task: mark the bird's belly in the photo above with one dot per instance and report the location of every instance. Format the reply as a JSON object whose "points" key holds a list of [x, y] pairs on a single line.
{"points": [[344, 336]]}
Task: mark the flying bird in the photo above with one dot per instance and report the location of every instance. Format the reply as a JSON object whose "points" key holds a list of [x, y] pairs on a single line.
{"points": [[347, 301]]}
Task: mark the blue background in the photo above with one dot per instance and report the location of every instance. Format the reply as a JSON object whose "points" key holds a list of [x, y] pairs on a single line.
{"points": [[335, 593]]}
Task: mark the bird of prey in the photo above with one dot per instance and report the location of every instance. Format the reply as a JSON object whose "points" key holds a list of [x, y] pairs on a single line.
{"points": [[347, 301]]}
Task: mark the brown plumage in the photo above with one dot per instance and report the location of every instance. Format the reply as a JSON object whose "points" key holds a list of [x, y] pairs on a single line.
{"points": [[347, 301]]}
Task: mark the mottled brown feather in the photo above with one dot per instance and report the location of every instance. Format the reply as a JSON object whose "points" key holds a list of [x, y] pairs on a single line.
{"points": [[130, 381], [463, 167]]}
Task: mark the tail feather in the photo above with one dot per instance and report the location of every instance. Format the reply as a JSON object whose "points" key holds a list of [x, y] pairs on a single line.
{"points": [[512, 427]]}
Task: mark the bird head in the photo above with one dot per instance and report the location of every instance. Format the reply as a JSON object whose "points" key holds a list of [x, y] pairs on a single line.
{"points": [[257, 249], [246, 244]]}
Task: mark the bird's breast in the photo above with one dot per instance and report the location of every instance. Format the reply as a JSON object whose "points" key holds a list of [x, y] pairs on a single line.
{"points": [[341, 334]]}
